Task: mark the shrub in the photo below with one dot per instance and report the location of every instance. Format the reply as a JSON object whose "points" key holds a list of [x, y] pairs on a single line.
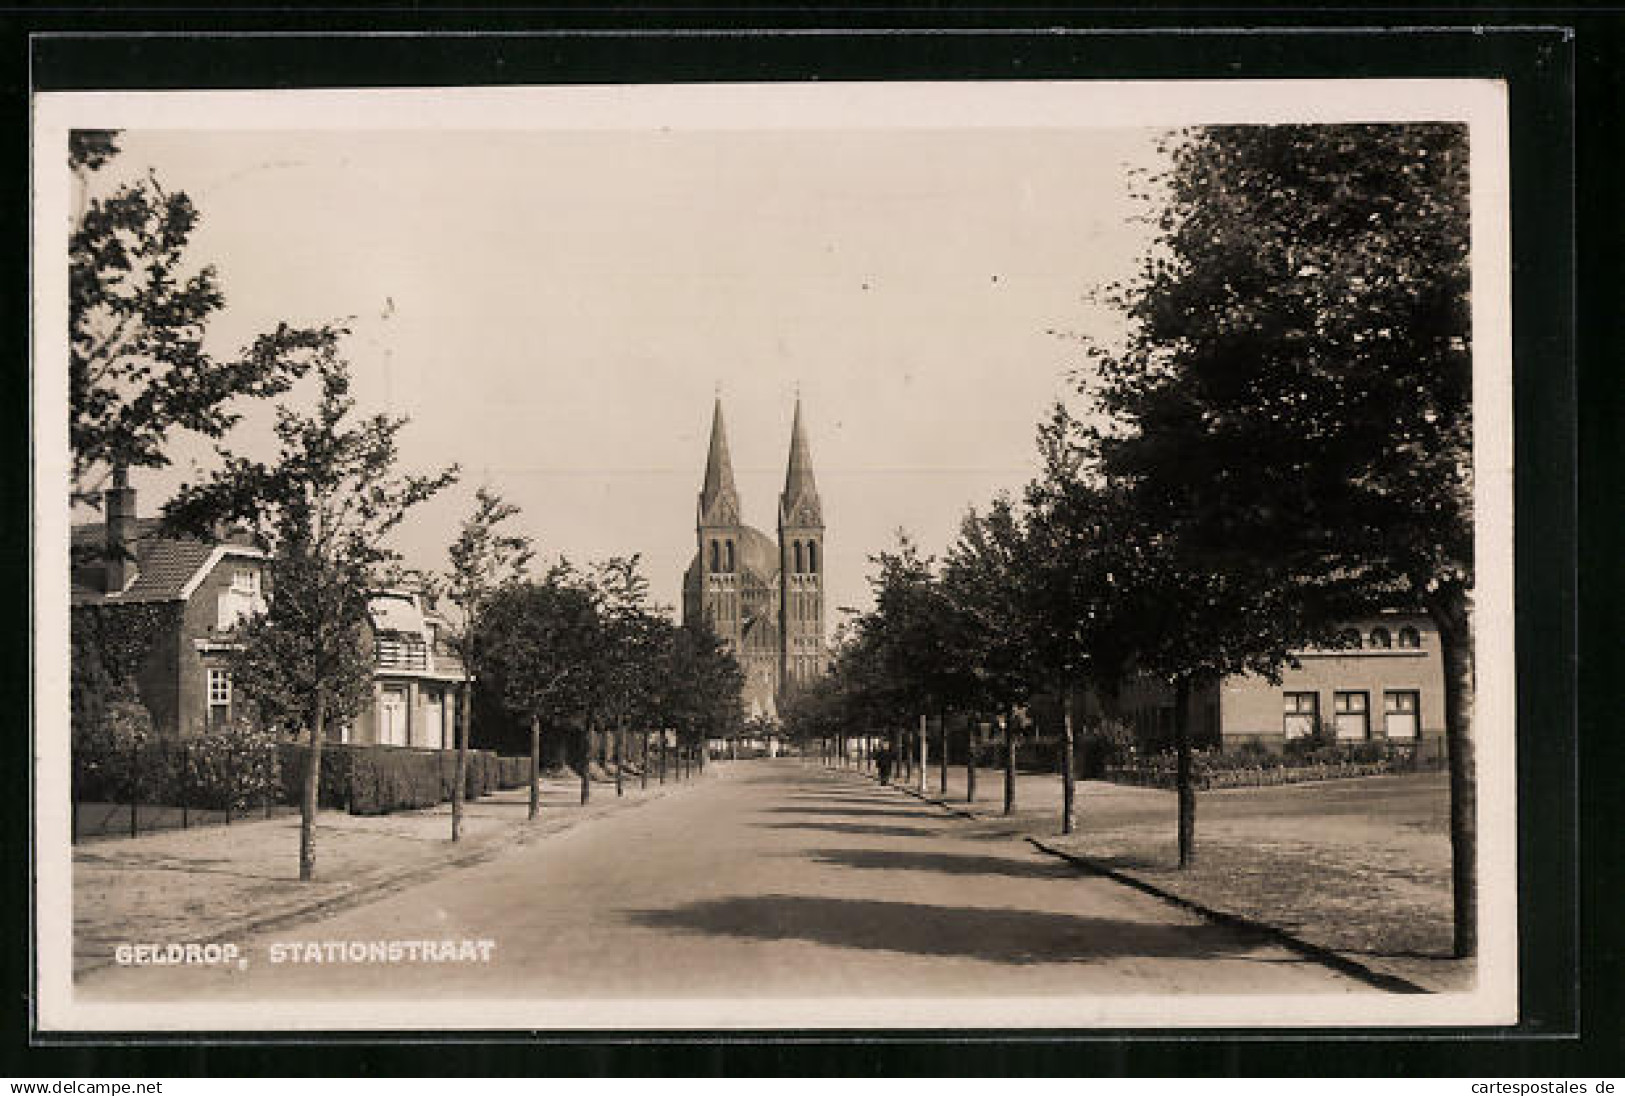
{"points": [[384, 779], [1109, 743], [513, 772], [112, 754], [1317, 742], [333, 792], [227, 768]]}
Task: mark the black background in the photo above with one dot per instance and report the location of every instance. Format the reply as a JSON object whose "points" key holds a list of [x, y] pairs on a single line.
{"points": [[1563, 69]]}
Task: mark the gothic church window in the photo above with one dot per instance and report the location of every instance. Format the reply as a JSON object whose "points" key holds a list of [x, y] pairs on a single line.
{"points": [[715, 556], [730, 553], [812, 557], [798, 557]]}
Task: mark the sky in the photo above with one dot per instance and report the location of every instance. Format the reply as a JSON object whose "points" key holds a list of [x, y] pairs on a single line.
{"points": [[555, 311]]}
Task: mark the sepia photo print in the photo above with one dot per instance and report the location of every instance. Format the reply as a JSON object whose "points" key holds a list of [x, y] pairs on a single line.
{"points": [[784, 556]]}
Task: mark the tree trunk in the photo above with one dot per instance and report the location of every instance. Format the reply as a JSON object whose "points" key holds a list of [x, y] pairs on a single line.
{"points": [[1183, 782], [1452, 613], [663, 756], [643, 776], [1069, 782], [535, 765], [925, 761], [620, 759], [942, 755], [310, 802], [1010, 763], [465, 713], [586, 764], [970, 762]]}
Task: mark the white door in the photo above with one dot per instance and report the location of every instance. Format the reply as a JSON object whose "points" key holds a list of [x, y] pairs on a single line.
{"points": [[392, 717], [434, 719]]}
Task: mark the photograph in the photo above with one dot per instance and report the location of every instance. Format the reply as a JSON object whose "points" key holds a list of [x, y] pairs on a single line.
{"points": [[774, 557]]}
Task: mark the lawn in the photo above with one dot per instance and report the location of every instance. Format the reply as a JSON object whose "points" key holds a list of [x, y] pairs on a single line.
{"points": [[1360, 866]]}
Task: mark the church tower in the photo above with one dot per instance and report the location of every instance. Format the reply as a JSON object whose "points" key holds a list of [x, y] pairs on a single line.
{"points": [[801, 566], [716, 525]]}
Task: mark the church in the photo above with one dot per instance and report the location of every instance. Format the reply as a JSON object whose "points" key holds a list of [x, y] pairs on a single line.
{"points": [[764, 598]]}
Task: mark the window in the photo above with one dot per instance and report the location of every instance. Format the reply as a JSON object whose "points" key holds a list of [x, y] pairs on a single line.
{"points": [[812, 557], [716, 556], [219, 697], [729, 550], [1302, 712], [798, 557], [1351, 716], [1409, 637], [1380, 639], [1400, 712], [239, 600]]}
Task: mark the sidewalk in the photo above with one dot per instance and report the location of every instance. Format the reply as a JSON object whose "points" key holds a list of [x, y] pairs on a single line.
{"points": [[221, 882], [1358, 867]]}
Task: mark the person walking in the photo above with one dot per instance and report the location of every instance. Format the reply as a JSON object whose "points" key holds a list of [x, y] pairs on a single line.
{"points": [[883, 762]]}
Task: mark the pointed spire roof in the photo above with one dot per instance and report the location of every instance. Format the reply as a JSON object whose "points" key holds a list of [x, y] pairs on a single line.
{"points": [[719, 476], [800, 491]]}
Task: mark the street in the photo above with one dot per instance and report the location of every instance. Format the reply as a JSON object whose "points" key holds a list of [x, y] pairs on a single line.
{"points": [[771, 879]]}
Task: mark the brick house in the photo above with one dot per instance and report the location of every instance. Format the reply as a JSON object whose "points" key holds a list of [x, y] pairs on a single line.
{"points": [[201, 589], [1386, 684], [194, 591]]}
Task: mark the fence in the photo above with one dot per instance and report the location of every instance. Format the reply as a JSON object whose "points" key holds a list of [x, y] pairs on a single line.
{"points": [[137, 786]]}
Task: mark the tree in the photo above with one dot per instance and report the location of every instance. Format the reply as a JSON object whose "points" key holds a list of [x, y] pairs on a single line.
{"points": [[324, 508], [704, 685], [539, 648], [1296, 388], [138, 308], [984, 577], [911, 633], [632, 636], [483, 559]]}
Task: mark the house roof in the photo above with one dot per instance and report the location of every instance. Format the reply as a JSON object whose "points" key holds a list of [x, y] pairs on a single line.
{"points": [[393, 612], [165, 566]]}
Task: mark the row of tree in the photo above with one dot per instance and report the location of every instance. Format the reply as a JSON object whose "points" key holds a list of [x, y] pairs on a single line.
{"points": [[1282, 443], [574, 649]]}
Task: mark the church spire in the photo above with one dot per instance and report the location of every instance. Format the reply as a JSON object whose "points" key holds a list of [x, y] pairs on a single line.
{"points": [[799, 488], [719, 477]]}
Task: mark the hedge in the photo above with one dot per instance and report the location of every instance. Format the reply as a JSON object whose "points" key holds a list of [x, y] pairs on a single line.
{"points": [[380, 779], [1160, 775], [239, 768]]}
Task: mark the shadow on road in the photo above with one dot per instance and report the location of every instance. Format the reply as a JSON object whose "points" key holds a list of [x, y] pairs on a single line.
{"points": [[944, 862], [853, 828], [853, 812], [994, 935]]}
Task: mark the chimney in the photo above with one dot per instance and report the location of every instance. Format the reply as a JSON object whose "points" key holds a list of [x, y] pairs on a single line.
{"points": [[118, 503]]}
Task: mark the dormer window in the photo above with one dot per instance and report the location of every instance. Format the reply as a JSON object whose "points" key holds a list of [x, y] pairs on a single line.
{"points": [[1409, 638], [240, 599]]}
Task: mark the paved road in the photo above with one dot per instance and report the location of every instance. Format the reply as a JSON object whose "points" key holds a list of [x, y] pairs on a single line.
{"points": [[770, 879]]}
